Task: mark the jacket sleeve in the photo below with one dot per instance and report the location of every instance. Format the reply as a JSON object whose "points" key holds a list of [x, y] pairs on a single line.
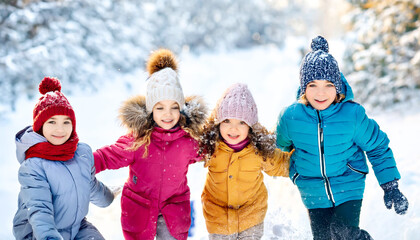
{"points": [[375, 143], [36, 194], [283, 140], [196, 156], [279, 164], [114, 156], [100, 195]]}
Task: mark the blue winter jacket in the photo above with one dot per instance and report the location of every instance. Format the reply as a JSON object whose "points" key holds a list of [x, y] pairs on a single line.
{"points": [[54, 196], [329, 163]]}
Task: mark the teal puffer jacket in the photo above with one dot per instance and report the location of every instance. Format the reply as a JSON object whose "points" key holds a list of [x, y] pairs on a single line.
{"points": [[329, 164]]}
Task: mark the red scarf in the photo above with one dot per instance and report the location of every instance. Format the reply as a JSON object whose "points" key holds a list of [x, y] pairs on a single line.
{"points": [[48, 151]]}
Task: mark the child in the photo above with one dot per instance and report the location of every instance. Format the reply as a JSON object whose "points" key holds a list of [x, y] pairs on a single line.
{"points": [[158, 148], [238, 149], [331, 135], [57, 173]]}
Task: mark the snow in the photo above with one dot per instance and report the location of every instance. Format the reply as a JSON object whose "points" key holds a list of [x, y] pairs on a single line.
{"points": [[272, 77]]}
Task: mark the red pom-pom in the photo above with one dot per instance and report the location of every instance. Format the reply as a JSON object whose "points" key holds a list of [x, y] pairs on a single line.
{"points": [[49, 84]]}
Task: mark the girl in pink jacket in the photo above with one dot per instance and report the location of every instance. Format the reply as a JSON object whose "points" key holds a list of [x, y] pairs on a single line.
{"points": [[163, 129]]}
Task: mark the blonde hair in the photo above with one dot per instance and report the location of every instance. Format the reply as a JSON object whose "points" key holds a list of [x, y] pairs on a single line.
{"points": [[142, 138]]}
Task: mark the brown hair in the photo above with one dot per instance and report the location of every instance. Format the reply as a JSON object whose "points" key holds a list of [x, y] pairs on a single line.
{"points": [[261, 139]]}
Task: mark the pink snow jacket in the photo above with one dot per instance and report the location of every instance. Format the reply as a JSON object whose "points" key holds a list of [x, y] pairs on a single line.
{"points": [[157, 184]]}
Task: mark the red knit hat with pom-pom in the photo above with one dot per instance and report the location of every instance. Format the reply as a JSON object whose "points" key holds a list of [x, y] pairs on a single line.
{"points": [[52, 102]]}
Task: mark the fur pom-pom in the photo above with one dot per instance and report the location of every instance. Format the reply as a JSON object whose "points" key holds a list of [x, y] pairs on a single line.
{"points": [[49, 84], [161, 59]]}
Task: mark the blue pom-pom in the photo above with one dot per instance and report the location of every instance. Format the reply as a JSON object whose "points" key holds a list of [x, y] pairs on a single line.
{"points": [[319, 43]]}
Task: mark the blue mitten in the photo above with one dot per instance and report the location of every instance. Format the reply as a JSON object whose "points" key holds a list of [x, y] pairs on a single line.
{"points": [[393, 196]]}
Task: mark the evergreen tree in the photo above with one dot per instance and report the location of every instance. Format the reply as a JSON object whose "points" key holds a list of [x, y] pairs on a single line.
{"points": [[382, 60]]}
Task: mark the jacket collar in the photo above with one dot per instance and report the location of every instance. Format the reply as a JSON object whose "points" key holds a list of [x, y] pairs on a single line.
{"points": [[160, 134], [224, 147]]}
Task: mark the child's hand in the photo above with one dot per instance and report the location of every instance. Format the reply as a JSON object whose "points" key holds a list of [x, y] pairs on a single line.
{"points": [[393, 196], [116, 190]]}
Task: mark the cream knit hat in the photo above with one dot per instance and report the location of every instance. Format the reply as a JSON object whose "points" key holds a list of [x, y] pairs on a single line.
{"points": [[163, 80]]}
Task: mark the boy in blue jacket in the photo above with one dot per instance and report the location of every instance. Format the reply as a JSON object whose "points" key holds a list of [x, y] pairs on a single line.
{"points": [[331, 134], [57, 173]]}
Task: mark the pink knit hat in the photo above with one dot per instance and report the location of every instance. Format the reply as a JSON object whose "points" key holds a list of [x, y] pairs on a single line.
{"points": [[237, 103]]}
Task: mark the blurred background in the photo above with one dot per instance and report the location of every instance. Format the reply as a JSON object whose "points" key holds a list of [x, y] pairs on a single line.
{"points": [[88, 42]]}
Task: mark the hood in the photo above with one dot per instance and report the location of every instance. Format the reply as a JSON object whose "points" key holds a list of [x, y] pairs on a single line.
{"points": [[25, 139], [133, 114], [347, 90]]}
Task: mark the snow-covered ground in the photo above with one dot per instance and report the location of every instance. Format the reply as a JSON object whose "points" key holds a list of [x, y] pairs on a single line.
{"points": [[272, 76]]}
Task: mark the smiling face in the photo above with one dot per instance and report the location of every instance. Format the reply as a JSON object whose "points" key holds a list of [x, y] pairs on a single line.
{"points": [[166, 114], [234, 131], [57, 129], [320, 94]]}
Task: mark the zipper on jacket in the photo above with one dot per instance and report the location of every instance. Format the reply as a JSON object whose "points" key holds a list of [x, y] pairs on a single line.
{"points": [[355, 170], [322, 160], [77, 199], [295, 176], [162, 166]]}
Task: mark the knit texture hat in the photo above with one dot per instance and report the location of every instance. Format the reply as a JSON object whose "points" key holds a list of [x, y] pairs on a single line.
{"points": [[52, 102], [237, 103], [163, 80], [320, 65]]}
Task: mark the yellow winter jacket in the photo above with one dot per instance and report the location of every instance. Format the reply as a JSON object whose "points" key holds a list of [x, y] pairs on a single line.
{"points": [[234, 196]]}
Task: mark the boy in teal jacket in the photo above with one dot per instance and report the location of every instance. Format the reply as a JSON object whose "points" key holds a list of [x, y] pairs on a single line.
{"points": [[331, 134]]}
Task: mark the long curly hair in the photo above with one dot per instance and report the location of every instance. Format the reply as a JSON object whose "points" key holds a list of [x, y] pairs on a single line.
{"points": [[263, 141]]}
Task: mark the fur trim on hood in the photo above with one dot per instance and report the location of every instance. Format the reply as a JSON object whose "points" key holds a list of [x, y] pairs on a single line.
{"points": [[134, 117]]}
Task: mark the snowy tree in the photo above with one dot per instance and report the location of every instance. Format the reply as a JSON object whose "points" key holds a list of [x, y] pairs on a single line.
{"points": [[77, 41], [383, 58], [86, 42]]}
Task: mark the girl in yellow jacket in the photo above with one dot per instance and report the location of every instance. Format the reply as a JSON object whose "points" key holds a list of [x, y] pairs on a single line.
{"points": [[237, 150]]}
